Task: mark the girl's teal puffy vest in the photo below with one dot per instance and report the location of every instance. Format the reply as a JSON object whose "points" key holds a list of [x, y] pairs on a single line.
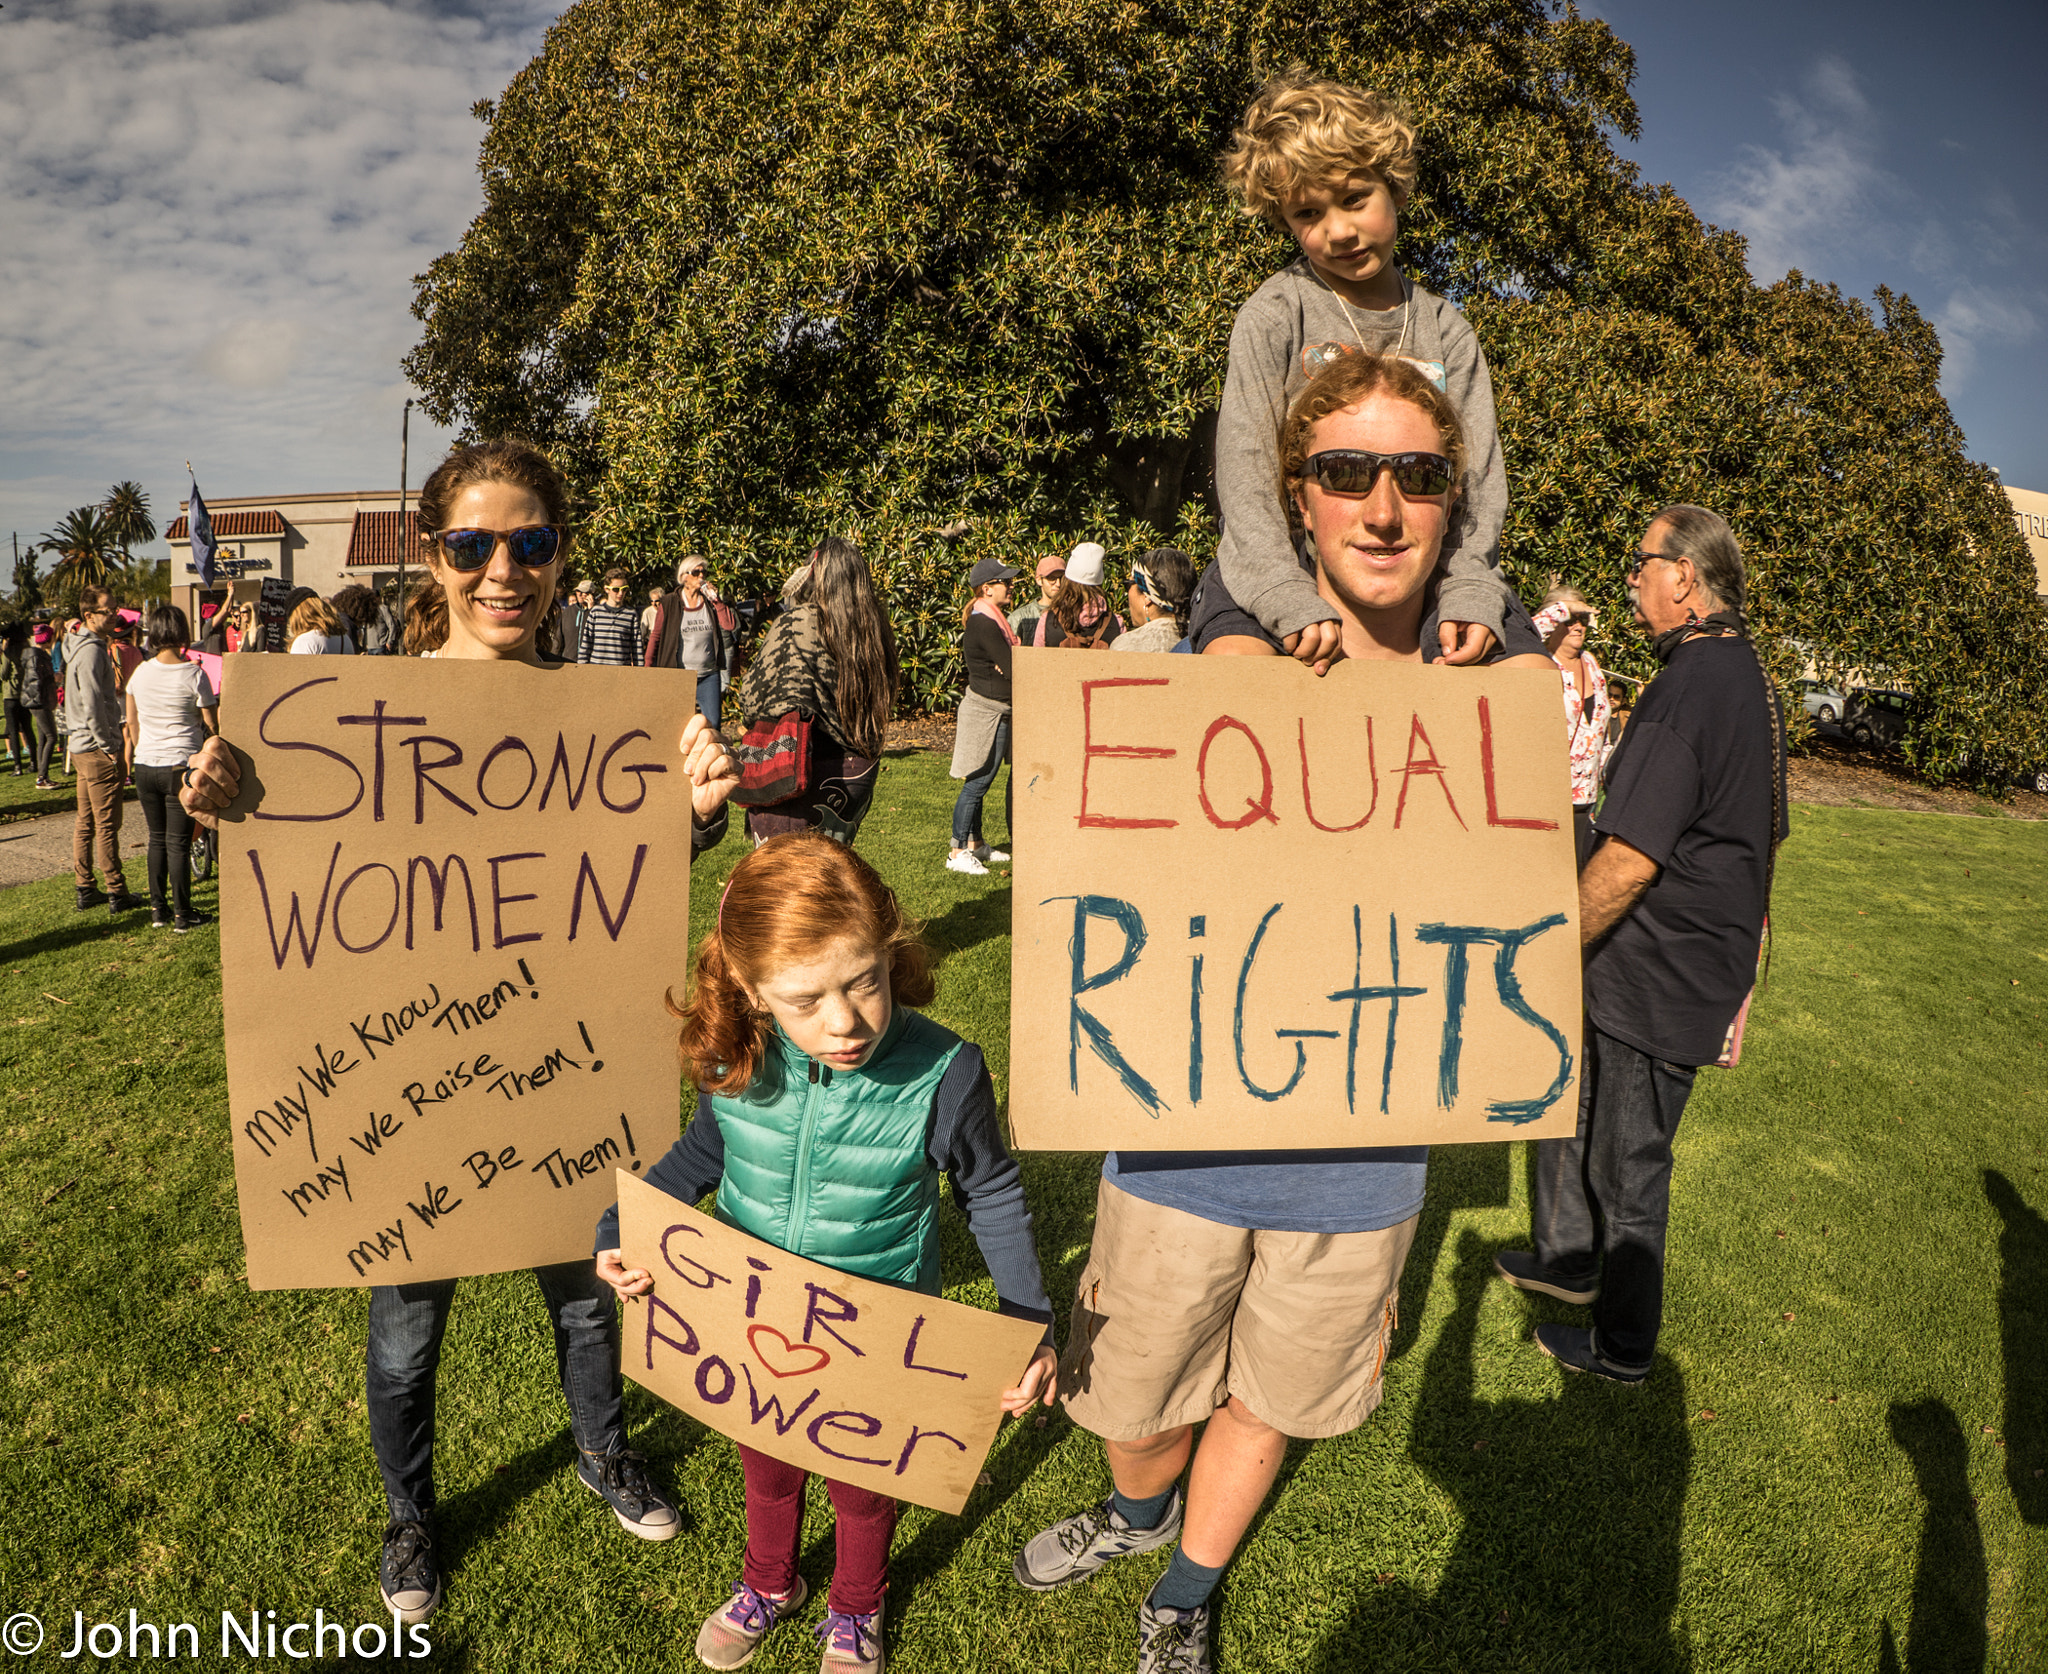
{"points": [[831, 1164]]}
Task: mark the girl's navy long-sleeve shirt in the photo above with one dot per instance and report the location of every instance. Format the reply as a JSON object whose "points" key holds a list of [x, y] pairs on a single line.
{"points": [[963, 1140]]}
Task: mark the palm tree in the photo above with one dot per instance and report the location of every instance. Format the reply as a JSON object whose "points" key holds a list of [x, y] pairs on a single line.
{"points": [[83, 544], [127, 512]]}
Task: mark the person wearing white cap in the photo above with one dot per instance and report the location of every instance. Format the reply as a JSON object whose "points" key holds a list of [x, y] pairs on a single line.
{"points": [[981, 735], [1080, 608]]}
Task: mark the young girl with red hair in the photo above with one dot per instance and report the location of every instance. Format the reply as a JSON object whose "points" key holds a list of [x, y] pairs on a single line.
{"points": [[828, 1109]]}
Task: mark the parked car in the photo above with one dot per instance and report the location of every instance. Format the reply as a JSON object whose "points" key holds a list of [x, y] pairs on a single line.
{"points": [[2037, 780], [1822, 701], [1877, 719]]}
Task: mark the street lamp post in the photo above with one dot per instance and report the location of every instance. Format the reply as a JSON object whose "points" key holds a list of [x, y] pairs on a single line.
{"points": [[404, 438]]}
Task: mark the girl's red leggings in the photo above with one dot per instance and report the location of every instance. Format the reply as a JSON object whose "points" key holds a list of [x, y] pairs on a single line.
{"points": [[775, 1526]]}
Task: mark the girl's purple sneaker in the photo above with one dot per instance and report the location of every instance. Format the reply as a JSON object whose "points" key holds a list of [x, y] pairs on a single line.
{"points": [[733, 1633], [853, 1644]]}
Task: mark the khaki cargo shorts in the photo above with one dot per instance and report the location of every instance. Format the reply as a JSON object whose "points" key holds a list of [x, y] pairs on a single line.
{"points": [[1175, 1313]]}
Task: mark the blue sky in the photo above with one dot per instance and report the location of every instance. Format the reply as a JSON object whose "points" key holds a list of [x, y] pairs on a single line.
{"points": [[211, 211], [1874, 143]]}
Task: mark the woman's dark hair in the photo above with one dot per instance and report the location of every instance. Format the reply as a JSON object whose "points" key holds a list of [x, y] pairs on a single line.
{"points": [[426, 612], [1078, 603], [1173, 582], [13, 637], [167, 628], [355, 605], [857, 636]]}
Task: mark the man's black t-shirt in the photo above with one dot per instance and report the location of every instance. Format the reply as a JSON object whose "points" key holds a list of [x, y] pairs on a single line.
{"points": [[1213, 614], [1690, 786]]}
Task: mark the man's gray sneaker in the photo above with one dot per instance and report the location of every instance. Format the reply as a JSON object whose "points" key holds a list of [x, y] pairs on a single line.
{"points": [[1076, 1547], [1521, 1269], [1173, 1641]]}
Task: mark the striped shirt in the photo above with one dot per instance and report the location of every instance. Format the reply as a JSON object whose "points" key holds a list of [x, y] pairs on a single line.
{"points": [[611, 635]]}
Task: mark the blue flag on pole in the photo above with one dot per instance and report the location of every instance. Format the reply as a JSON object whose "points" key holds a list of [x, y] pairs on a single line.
{"points": [[204, 547]]}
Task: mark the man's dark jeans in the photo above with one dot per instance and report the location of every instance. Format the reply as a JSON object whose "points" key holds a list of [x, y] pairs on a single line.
{"points": [[407, 1323], [1602, 1199]]}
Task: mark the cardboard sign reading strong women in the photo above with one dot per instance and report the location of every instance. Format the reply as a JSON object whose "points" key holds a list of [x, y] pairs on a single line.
{"points": [[889, 1389], [452, 897], [1254, 909]]}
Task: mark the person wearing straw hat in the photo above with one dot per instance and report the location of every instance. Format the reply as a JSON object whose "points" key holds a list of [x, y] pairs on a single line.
{"points": [[981, 734]]}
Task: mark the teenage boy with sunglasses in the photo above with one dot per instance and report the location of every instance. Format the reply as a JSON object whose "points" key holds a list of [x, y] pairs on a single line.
{"points": [[1252, 1292], [1332, 166]]}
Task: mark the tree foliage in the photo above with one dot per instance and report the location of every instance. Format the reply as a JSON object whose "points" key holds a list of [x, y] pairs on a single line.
{"points": [[128, 515], [880, 266], [84, 547]]}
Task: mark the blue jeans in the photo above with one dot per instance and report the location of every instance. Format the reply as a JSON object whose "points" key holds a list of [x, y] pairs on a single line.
{"points": [[967, 809], [710, 694], [407, 1323], [1603, 1198]]}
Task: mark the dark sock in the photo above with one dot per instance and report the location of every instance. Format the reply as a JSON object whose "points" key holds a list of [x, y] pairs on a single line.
{"points": [[1186, 1585], [1141, 1514]]}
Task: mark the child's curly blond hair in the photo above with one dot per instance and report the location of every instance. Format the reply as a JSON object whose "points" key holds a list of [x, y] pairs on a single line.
{"points": [[1305, 130]]}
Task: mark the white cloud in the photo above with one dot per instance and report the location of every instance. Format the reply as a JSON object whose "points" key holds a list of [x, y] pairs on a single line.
{"points": [[1825, 202], [1818, 194], [1975, 319], [214, 210]]}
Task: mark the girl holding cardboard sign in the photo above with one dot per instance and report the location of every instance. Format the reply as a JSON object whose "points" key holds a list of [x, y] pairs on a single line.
{"points": [[829, 1110], [493, 520]]}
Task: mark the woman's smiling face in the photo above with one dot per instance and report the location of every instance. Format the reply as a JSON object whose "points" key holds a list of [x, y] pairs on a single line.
{"points": [[494, 612]]}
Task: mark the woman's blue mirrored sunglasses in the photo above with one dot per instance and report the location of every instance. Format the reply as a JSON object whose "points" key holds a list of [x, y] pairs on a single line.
{"points": [[536, 546]]}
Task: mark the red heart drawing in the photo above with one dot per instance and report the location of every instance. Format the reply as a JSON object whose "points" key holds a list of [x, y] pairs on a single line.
{"points": [[820, 1359]]}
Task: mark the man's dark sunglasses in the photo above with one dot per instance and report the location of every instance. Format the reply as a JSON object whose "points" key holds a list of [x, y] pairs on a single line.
{"points": [[1636, 563], [536, 546], [1354, 471]]}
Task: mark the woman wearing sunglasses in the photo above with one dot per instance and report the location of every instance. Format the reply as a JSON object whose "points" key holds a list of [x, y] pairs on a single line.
{"points": [[493, 521]]}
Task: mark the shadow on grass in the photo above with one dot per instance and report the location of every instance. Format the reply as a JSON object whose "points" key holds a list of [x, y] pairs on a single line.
{"points": [[1460, 1177], [1951, 1587], [2023, 1327], [94, 924], [1570, 1513], [969, 923]]}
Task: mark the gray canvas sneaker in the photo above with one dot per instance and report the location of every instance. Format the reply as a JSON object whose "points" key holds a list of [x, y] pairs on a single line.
{"points": [[1076, 1547], [1173, 1641]]}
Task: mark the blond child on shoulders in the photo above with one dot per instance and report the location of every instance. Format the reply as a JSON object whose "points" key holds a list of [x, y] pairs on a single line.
{"points": [[1333, 166]]}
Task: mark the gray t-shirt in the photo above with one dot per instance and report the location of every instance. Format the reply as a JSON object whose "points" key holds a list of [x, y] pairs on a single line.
{"points": [[694, 629], [1291, 325], [168, 698]]}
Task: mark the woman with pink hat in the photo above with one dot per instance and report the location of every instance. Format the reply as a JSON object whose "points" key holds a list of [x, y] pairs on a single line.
{"points": [[38, 699]]}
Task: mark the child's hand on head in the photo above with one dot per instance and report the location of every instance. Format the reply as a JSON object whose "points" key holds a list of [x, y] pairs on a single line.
{"points": [[627, 1281], [1039, 1383]]}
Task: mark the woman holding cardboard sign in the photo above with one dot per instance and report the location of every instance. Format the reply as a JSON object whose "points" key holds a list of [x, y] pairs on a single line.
{"points": [[1266, 1278], [829, 1110], [493, 519]]}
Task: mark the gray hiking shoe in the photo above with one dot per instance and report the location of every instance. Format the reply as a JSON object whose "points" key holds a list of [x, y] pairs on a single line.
{"points": [[1076, 1547], [1173, 1641]]}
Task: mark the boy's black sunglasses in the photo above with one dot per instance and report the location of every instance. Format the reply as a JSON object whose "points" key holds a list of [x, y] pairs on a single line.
{"points": [[1354, 471], [536, 546]]}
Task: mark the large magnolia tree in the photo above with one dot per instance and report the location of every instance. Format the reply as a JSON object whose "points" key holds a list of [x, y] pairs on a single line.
{"points": [[884, 267]]}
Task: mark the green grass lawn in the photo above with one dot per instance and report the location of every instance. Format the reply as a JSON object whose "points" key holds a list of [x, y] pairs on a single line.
{"points": [[1836, 1466]]}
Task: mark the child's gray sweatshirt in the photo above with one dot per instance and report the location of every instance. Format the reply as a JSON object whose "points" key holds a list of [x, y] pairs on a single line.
{"points": [[1277, 342]]}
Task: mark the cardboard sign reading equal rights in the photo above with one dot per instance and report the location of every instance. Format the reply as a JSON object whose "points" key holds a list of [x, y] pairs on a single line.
{"points": [[1254, 909], [452, 897], [888, 1389]]}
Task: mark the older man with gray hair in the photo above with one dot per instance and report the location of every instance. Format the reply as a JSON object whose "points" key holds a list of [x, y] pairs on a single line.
{"points": [[1671, 914]]}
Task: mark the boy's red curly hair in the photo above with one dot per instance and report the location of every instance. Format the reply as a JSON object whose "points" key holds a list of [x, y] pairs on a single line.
{"points": [[785, 904]]}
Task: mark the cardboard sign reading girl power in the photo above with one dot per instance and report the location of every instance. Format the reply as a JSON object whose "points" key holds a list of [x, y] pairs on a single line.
{"points": [[890, 1389], [453, 895], [1254, 909]]}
